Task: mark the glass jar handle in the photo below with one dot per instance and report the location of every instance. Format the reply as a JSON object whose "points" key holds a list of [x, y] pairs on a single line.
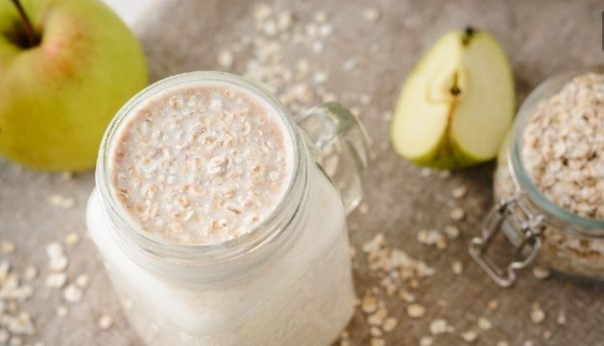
{"points": [[339, 144], [521, 228]]}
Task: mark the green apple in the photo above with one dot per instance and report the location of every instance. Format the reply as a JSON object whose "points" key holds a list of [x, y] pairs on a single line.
{"points": [[66, 67], [457, 104]]}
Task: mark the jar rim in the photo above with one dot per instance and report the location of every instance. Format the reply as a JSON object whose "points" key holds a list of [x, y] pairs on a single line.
{"points": [[266, 231], [545, 89]]}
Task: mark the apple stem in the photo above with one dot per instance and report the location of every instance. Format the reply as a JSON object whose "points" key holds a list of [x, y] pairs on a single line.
{"points": [[468, 34], [30, 33]]}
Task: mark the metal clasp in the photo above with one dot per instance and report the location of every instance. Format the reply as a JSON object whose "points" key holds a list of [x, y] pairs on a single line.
{"points": [[522, 229]]}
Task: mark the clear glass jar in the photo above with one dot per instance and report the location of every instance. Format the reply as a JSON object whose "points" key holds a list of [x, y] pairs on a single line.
{"points": [[286, 282], [537, 228]]}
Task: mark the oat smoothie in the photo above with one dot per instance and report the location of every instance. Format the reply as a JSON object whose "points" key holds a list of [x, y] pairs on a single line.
{"points": [[201, 167], [203, 164]]}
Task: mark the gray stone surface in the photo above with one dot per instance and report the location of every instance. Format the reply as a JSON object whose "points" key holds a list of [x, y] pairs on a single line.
{"points": [[541, 37]]}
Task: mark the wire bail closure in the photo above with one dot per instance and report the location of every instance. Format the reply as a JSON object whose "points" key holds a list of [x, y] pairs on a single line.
{"points": [[522, 229]]}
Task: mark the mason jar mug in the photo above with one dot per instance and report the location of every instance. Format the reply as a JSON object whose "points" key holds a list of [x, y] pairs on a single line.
{"points": [[535, 227], [285, 282]]}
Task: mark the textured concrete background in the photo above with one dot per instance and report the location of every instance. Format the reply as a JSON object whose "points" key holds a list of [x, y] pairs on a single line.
{"points": [[542, 38]]}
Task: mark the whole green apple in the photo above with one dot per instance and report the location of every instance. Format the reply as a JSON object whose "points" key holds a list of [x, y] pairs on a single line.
{"points": [[66, 67]]}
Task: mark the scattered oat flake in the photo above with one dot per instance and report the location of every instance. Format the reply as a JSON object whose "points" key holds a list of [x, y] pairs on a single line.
{"points": [[426, 341], [416, 311], [262, 11], [320, 77], [459, 192], [325, 29], [371, 14], [442, 302], [406, 296], [72, 294], [30, 273], [54, 249], [349, 64], [375, 244], [56, 280], [387, 116], [375, 331], [389, 324], [414, 283], [8, 247], [561, 317], [62, 311], [432, 237], [82, 280], [317, 47], [457, 214], [22, 324], [547, 334], [438, 326], [58, 264], [225, 58], [13, 292], [377, 342], [484, 323], [62, 202], [320, 17], [365, 99], [388, 284], [457, 267], [105, 321], [72, 239], [369, 304], [285, 20], [352, 251], [329, 97], [12, 308], [452, 231], [537, 314], [492, 304], [270, 27], [4, 269], [377, 318], [541, 273], [469, 336], [363, 208]]}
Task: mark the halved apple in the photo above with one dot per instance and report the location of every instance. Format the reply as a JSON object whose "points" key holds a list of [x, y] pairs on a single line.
{"points": [[457, 104]]}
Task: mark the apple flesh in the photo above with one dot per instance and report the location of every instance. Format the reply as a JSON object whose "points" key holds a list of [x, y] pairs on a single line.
{"points": [[58, 94], [457, 104]]}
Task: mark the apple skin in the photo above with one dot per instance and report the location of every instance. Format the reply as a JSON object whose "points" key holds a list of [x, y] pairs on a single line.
{"points": [[448, 155], [57, 98]]}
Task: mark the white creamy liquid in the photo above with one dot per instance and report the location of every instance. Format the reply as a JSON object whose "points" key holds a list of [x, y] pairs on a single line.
{"points": [[305, 299], [201, 163]]}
